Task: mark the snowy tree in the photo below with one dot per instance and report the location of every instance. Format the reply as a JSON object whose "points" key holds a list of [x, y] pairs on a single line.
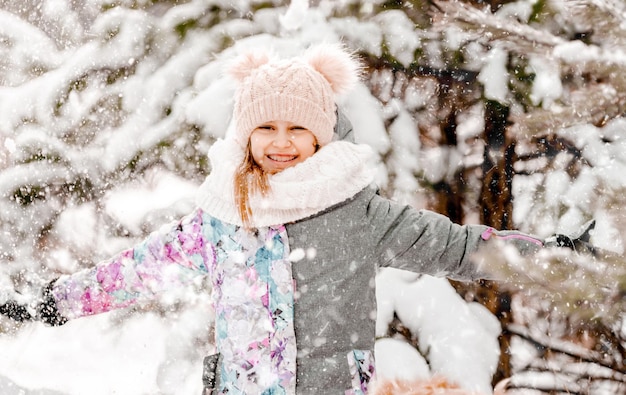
{"points": [[551, 125], [508, 114]]}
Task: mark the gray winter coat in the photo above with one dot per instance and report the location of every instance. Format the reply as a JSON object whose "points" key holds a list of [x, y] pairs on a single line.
{"points": [[348, 243]]}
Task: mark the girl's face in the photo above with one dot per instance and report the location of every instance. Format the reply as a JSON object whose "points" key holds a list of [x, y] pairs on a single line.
{"points": [[277, 145]]}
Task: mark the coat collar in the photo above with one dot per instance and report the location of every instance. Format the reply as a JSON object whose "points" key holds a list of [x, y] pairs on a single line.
{"points": [[335, 173]]}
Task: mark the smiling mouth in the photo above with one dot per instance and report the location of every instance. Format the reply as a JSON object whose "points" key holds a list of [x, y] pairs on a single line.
{"points": [[282, 158]]}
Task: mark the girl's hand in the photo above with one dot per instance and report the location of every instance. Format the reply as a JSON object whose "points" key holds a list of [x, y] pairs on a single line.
{"points": [[15, 311], [45, 309], [578, 242]]}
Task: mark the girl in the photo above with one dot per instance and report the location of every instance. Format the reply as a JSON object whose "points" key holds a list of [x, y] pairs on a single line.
{"points": [[291, 233]]}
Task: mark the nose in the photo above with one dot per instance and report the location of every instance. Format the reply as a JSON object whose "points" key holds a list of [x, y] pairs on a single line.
{"points": [[282, 138]]}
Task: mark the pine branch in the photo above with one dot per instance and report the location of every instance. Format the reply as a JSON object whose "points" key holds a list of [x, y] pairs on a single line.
{"points": [[592, 103], [555, 389], [572, 350], [586, 101], [492, 27], [564, 381], [613, 8], [519, 37], [580, 285]]}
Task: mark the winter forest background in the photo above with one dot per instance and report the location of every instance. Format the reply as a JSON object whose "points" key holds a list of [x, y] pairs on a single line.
{"points": [[507, 113]]}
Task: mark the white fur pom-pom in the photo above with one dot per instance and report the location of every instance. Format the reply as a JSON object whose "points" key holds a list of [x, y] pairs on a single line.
{"points": [[340, 68]]}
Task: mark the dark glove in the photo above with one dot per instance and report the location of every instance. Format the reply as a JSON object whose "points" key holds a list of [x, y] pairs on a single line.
{"points": [[46, 309], [15, 311], [578, 242]]}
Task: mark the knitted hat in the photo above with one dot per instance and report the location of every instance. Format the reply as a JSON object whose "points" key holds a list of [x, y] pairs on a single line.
{"points": [[301, 90]]}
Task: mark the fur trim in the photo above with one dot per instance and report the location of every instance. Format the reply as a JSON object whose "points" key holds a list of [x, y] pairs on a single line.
{"points": [[340, 68], [436, 385]]}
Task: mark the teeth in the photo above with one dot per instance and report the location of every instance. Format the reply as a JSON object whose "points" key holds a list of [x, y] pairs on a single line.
{"points": [[281, 158]]}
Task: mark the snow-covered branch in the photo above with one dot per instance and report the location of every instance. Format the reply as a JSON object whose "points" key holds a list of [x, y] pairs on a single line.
{"points": [[515, 35], [580, 286], [613, 371], [492, 27], [613, 8]]}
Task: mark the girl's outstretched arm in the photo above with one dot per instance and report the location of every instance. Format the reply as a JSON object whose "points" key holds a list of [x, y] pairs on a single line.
{"points": [[169, 257], [430, 243]]}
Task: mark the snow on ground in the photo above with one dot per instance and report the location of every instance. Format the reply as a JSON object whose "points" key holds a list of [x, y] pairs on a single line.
{"points": [[94, 355]]}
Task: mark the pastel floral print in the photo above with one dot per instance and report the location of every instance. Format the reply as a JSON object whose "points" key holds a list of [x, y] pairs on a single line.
{"points": [[252, 294], [361, 364]]}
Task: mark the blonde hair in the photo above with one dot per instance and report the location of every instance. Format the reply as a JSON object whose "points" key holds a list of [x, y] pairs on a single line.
{"points": [[249, 179]]}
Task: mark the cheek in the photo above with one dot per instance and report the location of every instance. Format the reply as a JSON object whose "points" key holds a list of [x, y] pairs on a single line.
{"points": [[255, 143], [258, 157], [307, 148], [256, 148]]}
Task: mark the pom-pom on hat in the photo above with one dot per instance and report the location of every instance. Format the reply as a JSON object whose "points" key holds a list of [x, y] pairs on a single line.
{"points": [[301, 90]]}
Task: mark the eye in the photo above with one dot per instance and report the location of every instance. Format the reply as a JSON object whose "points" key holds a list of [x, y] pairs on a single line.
{"points": [[298, 129], [265, 128]]}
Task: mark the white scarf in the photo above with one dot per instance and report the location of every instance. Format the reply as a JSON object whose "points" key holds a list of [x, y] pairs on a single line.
{"points": [[333, 174]]}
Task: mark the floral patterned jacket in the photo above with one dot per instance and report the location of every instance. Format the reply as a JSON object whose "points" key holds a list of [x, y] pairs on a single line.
{"points": [[253, 294]]}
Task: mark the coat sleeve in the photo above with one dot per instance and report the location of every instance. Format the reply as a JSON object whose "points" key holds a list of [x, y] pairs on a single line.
{"points": [[169, 257], [426, 242]]}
